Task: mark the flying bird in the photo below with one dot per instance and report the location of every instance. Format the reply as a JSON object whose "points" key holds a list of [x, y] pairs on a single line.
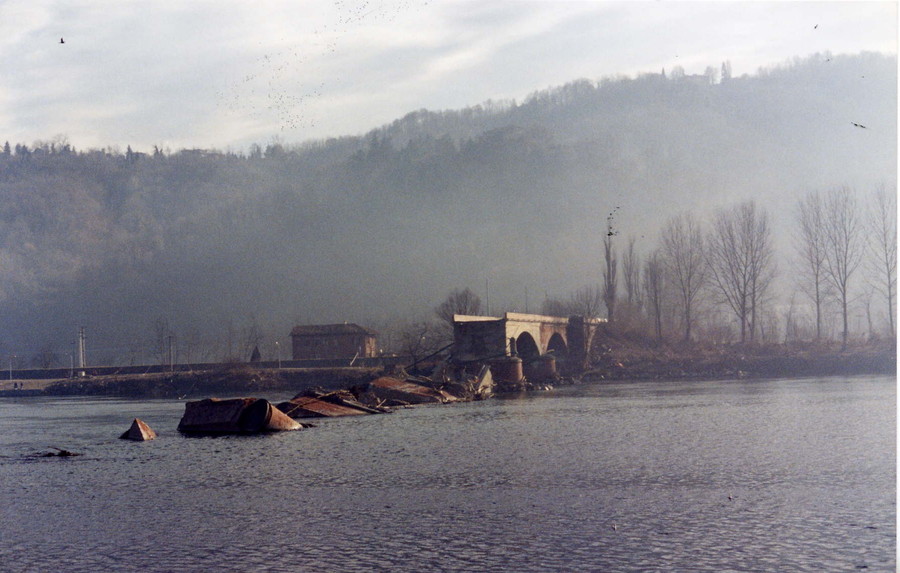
{"points": [[859, 125]]}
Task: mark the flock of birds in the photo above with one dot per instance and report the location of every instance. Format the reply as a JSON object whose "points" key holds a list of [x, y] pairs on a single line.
{"points": [[859, 125], [611, 231], [269, 91], [273, 90], [276, 88]]}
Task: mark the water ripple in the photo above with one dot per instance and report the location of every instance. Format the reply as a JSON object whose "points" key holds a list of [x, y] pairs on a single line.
{"points": [[779, 476]]}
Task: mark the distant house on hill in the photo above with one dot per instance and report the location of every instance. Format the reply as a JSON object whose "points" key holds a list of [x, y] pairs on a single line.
{"points": [[333, 341]]}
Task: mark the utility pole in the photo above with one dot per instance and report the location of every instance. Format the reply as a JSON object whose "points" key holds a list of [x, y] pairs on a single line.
{"points": [[171, 355], [82, 362]]}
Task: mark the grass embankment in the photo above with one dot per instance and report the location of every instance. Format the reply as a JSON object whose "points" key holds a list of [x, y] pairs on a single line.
{"points": [[623, 357]]}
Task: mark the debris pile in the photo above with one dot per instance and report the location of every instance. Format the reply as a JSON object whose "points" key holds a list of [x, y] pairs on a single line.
{"points": [[449, 382], [390, 391], [316, 403], [467, 382]]}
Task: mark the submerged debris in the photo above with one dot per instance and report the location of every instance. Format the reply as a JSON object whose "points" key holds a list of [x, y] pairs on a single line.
{"points": [[234, 416], [60, 453], [319, 404], [388, 391], [307, 407], [449, 382], [138, 432]]}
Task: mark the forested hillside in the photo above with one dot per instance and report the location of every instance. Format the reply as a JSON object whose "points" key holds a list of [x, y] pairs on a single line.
{"points": [[506, 198]]}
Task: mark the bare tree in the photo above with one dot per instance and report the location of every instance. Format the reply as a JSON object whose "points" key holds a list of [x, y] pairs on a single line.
{"points": [[250, 338], [419, 339], [843, 247], [162, 339], [134, 351], [458, 302], [631, 273], [683, 251], [46, 356], [865, 303], [587, 302], [811, 248], [739, 253], [654, 289], [189, 345], [555, 307], [610, 281], [791, 327], [227, 345], [883, 245]]}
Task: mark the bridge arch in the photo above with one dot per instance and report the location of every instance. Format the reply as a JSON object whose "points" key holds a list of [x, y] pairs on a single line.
{"points": [[557, 345], [527, 347]]}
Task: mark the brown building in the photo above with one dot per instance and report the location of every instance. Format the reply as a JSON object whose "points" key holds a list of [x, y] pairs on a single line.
{"points": [[333, 341]]}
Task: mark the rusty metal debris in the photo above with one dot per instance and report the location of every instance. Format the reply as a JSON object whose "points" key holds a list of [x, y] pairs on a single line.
{"points": [[449, 382], [234, 416], [396, 392], [320, 404], [138, 432]]}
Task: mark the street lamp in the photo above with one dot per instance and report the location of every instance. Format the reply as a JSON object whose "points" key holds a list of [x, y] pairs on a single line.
{"points": [[278, 353]]}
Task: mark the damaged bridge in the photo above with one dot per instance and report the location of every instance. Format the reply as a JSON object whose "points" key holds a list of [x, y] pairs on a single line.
{"points": [[528, 336]]}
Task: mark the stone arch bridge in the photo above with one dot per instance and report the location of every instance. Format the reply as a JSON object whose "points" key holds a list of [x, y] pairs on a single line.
{"points": [[485, 338]]}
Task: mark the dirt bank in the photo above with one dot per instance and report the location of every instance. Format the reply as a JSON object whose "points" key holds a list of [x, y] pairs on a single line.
{"points": [[235, 380], [618, 357], [615, 357]]}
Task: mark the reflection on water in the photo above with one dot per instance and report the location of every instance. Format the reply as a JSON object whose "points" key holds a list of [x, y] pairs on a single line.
{"points": [[698, 476]]}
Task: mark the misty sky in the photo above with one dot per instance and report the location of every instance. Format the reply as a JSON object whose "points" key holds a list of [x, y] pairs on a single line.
{"points": [[225, 74]]}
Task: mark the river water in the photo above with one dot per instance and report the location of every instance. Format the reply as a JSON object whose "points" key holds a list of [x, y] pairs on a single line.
{"points": [[763, 475]]}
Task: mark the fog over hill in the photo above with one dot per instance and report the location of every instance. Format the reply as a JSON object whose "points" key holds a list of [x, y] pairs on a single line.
{"points": [[505, 198]]}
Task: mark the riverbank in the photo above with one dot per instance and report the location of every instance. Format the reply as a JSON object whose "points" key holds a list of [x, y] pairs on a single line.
{"points": [[242, 380], [616, 358], [624, 358]]}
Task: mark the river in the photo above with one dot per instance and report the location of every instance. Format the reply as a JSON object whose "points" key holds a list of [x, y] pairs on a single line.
{"points": [[761, 475]]}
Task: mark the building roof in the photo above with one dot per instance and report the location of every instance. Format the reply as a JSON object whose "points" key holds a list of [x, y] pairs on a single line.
{"points": [[331, 329]]}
